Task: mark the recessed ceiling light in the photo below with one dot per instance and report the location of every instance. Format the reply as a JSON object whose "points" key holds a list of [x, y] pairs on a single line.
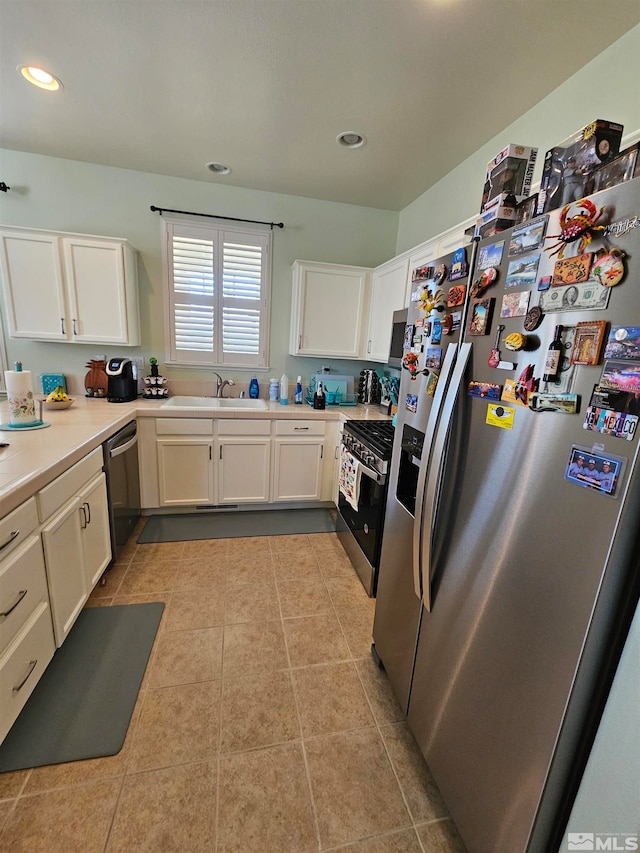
{"points": [[218, 168], [39, 77], [350, 139]]}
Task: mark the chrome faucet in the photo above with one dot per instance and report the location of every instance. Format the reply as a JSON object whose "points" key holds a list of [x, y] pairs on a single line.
{"points": [[221, 384]]}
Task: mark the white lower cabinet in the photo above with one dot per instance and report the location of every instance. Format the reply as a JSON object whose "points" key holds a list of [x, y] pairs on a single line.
{"points": [[201, 461], [243, 461], [75, 537], [298, 453], [185, 471], [184, 448], [26, 634]]}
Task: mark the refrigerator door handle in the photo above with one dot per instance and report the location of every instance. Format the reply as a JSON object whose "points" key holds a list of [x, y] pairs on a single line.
{"points": [[434, 477], [432, 424]]}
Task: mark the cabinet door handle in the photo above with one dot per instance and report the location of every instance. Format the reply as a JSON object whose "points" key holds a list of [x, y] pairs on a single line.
{"points": [[84, 516], [299, 341], [21, 595], [75, 331], [88, 506], [220, 451], [369, 346], [12, 536], [322, 451], [62, 324], [32, 666]]}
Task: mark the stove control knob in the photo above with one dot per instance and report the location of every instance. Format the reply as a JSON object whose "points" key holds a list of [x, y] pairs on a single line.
{"points": [[369, 458]]}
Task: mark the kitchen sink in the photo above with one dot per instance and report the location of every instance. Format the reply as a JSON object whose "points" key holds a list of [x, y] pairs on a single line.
{"points": [[239, 403]]}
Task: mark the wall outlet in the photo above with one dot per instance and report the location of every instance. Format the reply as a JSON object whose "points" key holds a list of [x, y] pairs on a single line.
{"points": [[325, 369], [99, 357]]}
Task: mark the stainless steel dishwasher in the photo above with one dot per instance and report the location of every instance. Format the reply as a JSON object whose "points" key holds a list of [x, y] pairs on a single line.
{"points": [[123, 484]]}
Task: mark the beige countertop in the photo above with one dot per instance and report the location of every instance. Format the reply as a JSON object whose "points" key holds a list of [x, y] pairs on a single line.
{"points": [[36, 457]]}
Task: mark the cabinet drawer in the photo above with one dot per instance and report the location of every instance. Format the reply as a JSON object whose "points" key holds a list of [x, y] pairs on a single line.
{"points": [[15, 527], [300, 428], [184, 426], [22, 665], [240, 427], [53, 496], [23, 586]]}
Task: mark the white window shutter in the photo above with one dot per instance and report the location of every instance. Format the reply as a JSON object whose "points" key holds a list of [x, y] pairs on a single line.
{"points": [[219, 290]]}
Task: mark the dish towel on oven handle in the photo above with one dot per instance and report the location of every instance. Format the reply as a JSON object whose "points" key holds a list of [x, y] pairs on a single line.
{"points": [[349, 479]]}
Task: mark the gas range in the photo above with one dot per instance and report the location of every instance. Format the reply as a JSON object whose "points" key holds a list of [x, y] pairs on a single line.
{"points": [[371, 442]]}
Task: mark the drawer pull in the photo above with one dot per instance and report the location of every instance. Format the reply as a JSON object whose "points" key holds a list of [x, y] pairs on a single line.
{"points": [[32, 666], [299, 429], [12, 536], [21, 595]]}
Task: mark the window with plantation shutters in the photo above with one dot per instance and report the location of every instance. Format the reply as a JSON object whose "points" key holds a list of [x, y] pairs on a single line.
{"points": [[219, 290]]}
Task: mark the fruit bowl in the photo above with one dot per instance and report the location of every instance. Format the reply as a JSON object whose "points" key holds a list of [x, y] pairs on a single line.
{"points": [[57, 404]]}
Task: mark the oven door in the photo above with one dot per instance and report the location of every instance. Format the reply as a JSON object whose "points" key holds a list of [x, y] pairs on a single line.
{"points": [[365, 523]]}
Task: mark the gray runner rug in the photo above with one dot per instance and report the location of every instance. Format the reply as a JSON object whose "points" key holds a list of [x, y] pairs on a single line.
{"points": [[228, 525], [82, 705]]}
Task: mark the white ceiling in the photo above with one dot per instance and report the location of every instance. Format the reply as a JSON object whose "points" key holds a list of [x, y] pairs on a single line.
{"points": [[265, 86]]}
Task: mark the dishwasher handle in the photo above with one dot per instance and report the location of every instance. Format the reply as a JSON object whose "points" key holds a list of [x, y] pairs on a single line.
{"points": [[119, 449]]}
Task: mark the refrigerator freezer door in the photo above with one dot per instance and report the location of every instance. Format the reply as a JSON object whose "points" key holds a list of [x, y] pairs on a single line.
{"points": [[398, 595]]}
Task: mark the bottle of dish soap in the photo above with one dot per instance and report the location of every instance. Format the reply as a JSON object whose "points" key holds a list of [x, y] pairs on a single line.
{"points": [[297, 397], [254, 388], [284, 390]]}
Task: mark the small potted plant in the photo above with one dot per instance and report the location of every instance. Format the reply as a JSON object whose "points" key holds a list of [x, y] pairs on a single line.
{"points": [[154, 366]]}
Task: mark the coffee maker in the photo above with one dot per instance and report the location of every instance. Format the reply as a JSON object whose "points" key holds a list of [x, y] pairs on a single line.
{"points": [[123, 385]]}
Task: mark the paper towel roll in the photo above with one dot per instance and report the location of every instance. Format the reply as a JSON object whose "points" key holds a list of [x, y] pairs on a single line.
{"points": [[22, 406]]}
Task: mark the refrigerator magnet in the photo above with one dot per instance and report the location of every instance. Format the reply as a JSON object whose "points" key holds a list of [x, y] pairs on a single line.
{"points": [[500, 416], [610, 422], [456, 295], [608, 267], [621, 376], [484, 390], [515, 304], [433, 358], [572, 270], [623, 342], [481, 316], [431, 383], [483, 281], [523, 271], [423, 273], [490, 256], [411, 403], [595, 469], [436, 332], [447, 324], [566, 404], [528, 237], [513, 393], [587, 342], [458, 265]]}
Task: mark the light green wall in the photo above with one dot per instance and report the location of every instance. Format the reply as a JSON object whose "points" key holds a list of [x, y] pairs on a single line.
{"points": [[608, 87], [66, 195]]}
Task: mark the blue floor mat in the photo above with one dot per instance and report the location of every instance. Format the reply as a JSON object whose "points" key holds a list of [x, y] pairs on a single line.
{"points": [[228, 525]]}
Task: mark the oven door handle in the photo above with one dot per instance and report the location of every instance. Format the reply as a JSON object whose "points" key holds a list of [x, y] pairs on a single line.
{"points": [[379, 478]]}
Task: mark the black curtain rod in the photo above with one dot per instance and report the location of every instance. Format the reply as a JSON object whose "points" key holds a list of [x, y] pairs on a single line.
{"points": [[162, 210]]}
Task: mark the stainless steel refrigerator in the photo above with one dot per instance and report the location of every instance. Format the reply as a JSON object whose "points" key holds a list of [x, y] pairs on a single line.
{"points": [[503, 600]]}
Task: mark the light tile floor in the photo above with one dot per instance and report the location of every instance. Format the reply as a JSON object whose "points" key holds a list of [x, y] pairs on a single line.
{"points": [[262, 723]]}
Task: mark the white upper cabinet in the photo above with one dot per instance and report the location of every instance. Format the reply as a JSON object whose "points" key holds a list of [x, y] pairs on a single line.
{"points": [[33, 285], [388, 290], [329, 310], [68, 287]]}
